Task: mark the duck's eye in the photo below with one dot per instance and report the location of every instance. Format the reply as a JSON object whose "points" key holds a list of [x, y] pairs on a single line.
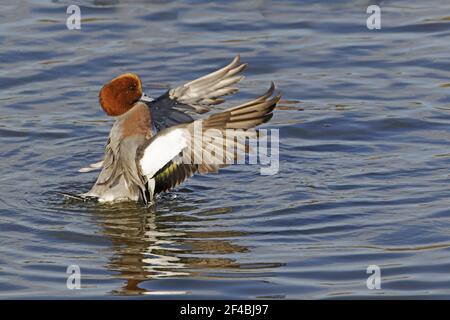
{"points": [[131, 88]]}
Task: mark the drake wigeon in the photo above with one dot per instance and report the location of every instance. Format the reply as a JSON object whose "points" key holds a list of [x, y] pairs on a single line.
{"points": [[151, 138]]}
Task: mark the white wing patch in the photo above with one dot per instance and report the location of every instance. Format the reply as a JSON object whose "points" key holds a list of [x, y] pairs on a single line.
{"points": [[161, 150]]}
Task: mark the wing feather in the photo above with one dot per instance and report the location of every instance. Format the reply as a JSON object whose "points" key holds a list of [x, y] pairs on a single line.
{"points": [[164, 158], [197, 95]]}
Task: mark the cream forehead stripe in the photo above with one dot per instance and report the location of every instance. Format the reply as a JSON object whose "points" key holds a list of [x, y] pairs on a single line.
{"points": [[131, 75]]}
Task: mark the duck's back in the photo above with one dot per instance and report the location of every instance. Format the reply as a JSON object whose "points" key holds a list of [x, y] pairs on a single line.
{"points": [[120, 178]]}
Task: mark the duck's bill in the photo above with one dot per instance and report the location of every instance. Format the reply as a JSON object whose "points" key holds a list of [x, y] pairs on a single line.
{"points": [[146, 98]]}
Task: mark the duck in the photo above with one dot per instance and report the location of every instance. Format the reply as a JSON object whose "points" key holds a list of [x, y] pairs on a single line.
{"points": [[155, 144]]}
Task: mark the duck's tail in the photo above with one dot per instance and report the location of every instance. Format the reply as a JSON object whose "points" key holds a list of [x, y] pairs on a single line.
{"points": [[78, 197]]}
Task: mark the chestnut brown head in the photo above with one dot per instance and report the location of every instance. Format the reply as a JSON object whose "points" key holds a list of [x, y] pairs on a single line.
{"points": [[120, 94]]}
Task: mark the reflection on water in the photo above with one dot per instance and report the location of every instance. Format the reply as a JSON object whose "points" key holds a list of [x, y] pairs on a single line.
{"points": [[147, 244], [140, 250]]}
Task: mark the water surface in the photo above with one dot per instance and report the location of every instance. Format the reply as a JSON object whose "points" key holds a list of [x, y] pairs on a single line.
{"points": [[364, 153]]}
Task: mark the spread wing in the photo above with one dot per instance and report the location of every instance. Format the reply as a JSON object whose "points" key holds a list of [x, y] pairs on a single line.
{"points": [[168, 109], [175, 154]]}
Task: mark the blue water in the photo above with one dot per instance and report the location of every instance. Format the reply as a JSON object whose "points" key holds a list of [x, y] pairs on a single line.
{"points": [[364, 151]]}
